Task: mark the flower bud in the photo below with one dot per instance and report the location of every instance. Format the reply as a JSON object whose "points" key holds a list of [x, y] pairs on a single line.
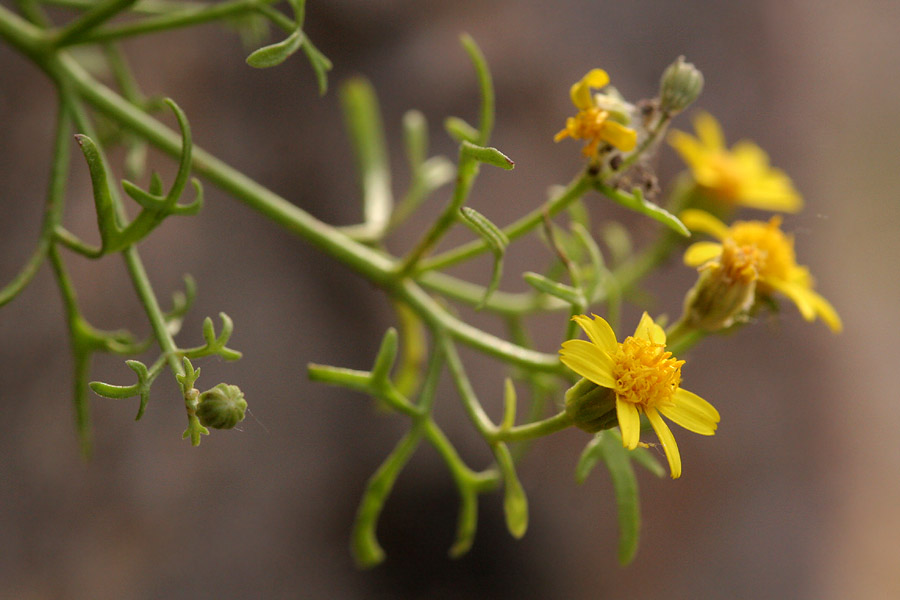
{"points": [[680, 85], [725, 290], [222, 407], [591, 407]]}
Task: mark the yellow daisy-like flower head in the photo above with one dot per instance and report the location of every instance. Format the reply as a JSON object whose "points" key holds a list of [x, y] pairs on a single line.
{"points": [[592, 122], [740, 176], [645, 379], [769, 251]]}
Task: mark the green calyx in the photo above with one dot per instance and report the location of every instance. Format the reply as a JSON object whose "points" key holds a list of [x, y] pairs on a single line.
{"points": [[592, 408]]}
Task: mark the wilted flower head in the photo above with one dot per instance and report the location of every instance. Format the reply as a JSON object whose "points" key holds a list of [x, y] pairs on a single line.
{"points": [[595, 121]]}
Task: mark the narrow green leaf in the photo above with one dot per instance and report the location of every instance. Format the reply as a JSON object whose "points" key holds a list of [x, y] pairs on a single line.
{"points": [[485, 86], [599, 271], [495, 239], [114, 391], [460, 131], [466, 522], [365, 547], [554, 288], [364, 127], [415, 138], [387, 354], [617, 460], [275, 54], [636, 202], [588, 459], [646, 459], [490, 156], [618, 240], [320, 64], [509, 405], [515, 504]]}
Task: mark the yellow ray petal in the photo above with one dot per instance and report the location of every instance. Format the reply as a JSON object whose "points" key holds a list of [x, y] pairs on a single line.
{"points": [[589, 361], [709, 131], [697, 404], [799, 295], [580, 92], [826, 311], [649, 330], [698, 220], [629, 423], [692, 415], [667, 440], [691, 150], [598, 330], [619, 136], [699, 253]]}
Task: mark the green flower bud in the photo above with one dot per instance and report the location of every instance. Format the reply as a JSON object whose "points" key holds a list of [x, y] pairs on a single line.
{"points": [[679, 86], [591, 407], [725, 290], [222, 407]]}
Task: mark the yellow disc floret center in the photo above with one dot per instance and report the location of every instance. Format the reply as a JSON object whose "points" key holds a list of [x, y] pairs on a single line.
{"points": [[588, 124], [772, 249], [645, 373]]}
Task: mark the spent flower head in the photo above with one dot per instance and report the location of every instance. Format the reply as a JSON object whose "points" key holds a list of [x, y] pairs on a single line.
{"points": [[596, 120], [739, 176], [644, 377], [767, 250]]}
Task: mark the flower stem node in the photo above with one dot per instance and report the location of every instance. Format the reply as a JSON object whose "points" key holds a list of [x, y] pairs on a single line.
{"points": [[680, 85], [592, 408], [222, 407]]}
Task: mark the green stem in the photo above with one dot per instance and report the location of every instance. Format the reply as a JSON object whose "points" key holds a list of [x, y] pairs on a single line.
{"points": [[174, 20], [473, 407], [465, 176], [76, 31], [575, 190], [530, 431], [59, 171]]}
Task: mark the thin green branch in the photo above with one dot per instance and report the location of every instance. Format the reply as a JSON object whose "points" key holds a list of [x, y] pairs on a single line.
{"points": [[575, 190], [95, 16], [194, 15]]}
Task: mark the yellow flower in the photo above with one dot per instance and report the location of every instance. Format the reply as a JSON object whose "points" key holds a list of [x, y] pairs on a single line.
{"points": [[771, 253], [741, 175], [592, 122], [645, 379]]}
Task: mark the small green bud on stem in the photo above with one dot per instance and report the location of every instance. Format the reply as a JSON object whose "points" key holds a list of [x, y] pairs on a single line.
{"points": [[680, 85], [222, 407]]}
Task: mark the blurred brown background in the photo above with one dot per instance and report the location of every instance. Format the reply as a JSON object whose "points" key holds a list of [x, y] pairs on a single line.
{"points": [[796, 497]]}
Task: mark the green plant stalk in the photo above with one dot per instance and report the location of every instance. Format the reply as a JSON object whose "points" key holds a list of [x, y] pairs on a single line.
{"points": [[466, 172], [95, 16], [52, 211], [368, 262], [82, 344], [175, 20], [572, 192], [366, 549], [133, 263]]}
